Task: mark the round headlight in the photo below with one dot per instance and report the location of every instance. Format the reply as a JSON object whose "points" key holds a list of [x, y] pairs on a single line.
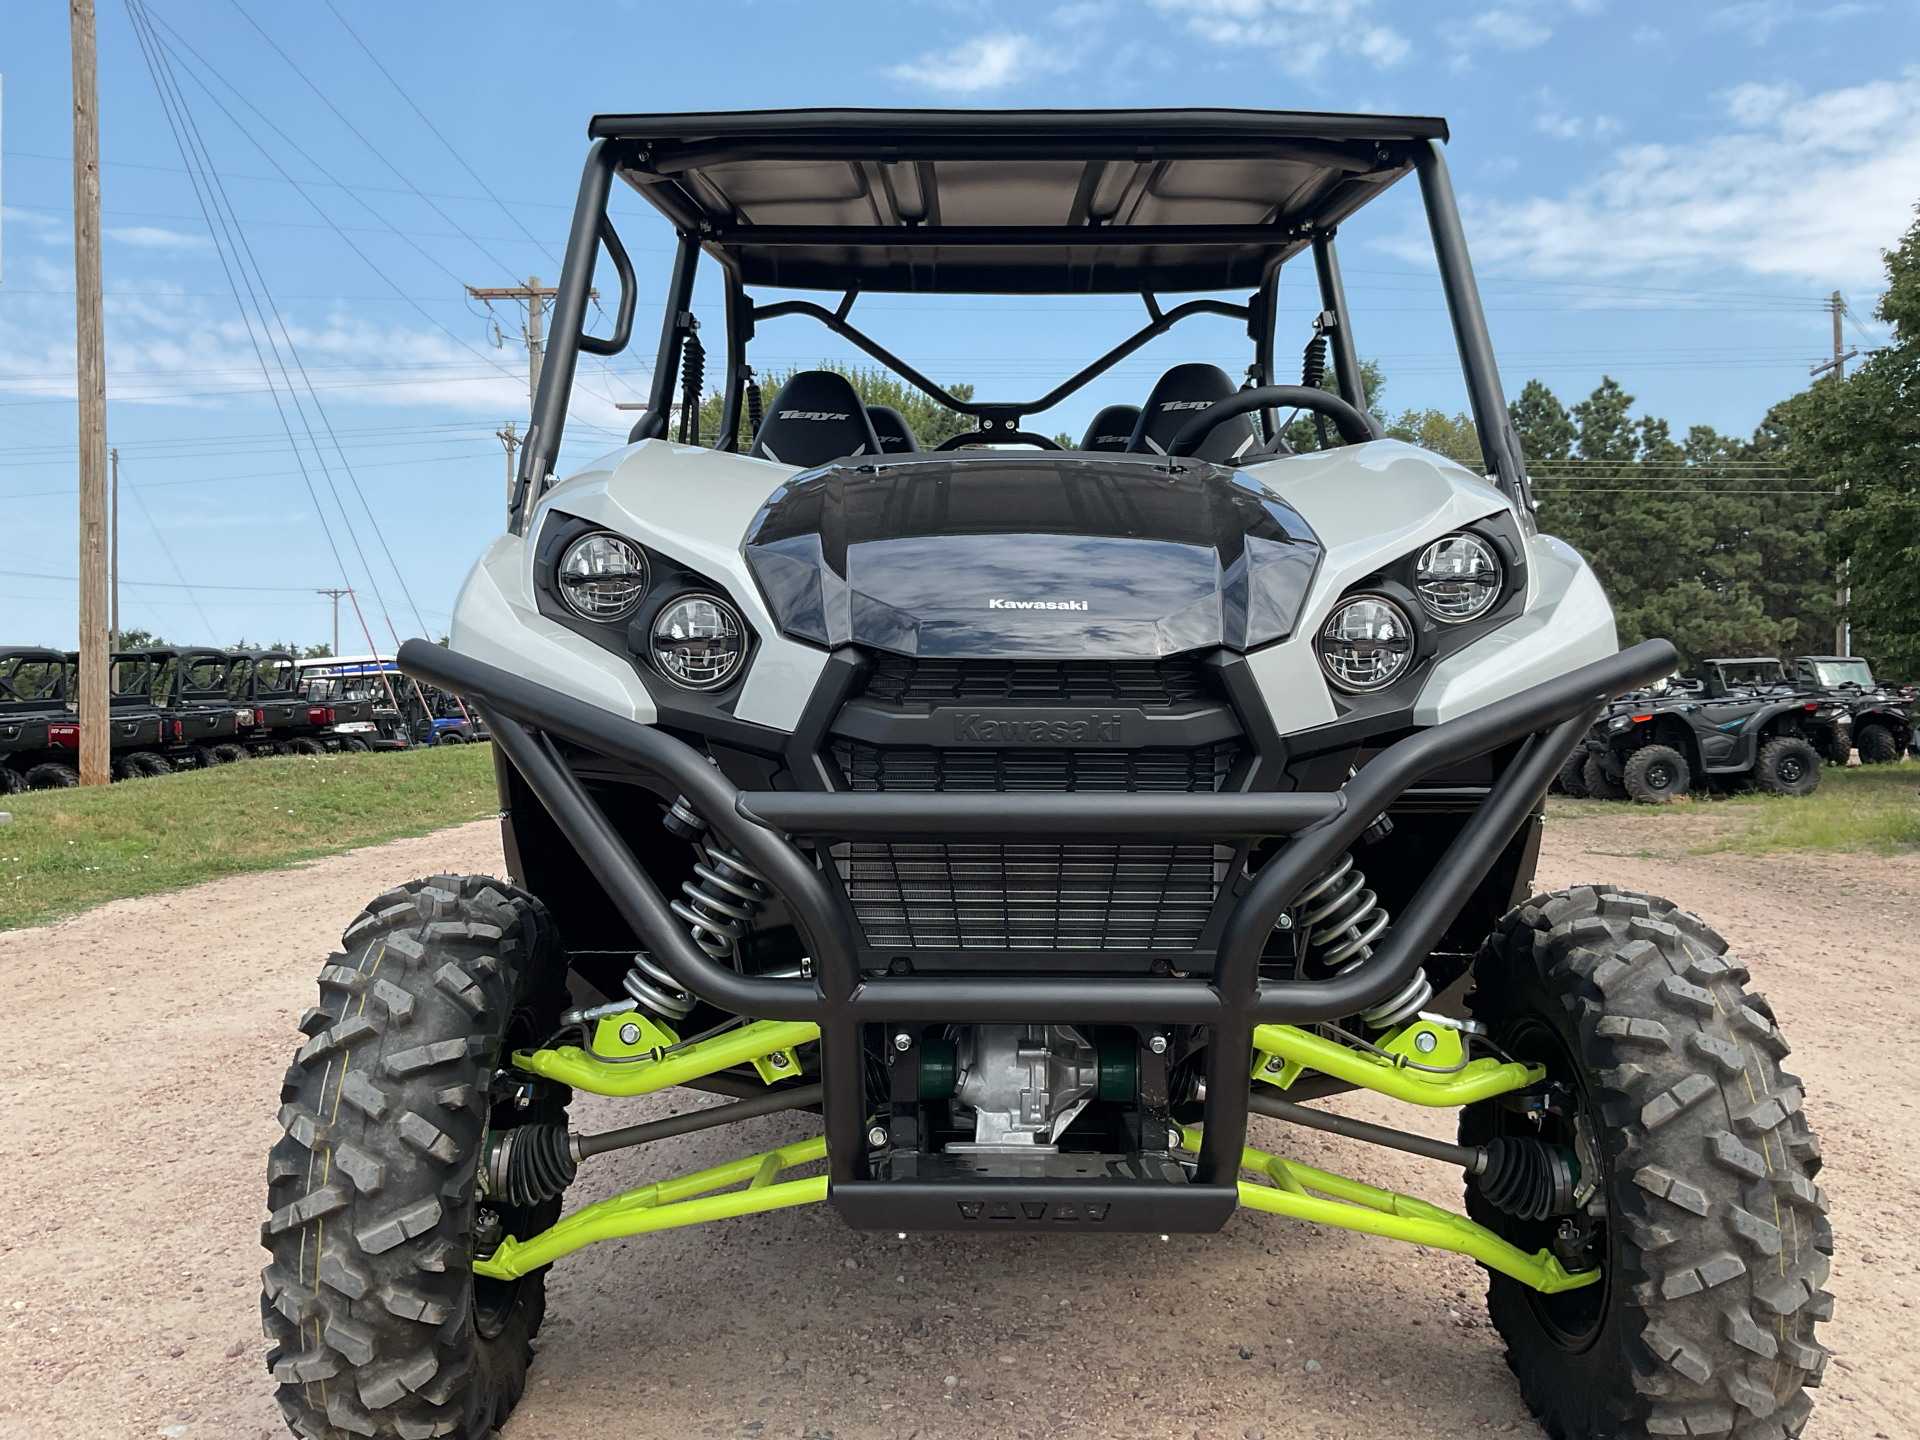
{"points": [[1366, 644], [602, 577], [699, 641], [1458, 578]]}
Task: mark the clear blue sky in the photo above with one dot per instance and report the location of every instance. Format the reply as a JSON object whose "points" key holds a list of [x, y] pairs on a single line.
{"points": [[1662, 193]]}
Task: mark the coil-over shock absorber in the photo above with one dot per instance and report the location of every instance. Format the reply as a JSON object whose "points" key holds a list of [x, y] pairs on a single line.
{"points": [[756, 410], [1338, 919], [726, 892]]}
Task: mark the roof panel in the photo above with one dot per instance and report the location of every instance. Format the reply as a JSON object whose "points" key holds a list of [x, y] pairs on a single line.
{"points": [[1046, 201]]}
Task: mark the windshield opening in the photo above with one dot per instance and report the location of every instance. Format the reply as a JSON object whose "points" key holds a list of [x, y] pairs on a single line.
{"points": [[1843, 672]]}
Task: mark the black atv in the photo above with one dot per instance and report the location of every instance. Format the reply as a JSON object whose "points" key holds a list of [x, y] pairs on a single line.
{"points": [[39, 739], [1880, 717], [269, 683], [205, 722], [1740, 723]]}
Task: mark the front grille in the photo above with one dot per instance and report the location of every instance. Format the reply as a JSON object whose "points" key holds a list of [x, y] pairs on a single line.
{"points": [[924, 769], [900, 680], [994, 896], [1031, 897]]}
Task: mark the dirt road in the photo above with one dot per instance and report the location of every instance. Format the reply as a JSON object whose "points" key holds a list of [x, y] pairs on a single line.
{"points": [[143, 1045]]}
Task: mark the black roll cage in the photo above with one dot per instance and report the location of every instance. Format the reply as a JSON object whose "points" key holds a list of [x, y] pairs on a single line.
{"points": [[592, 228]]}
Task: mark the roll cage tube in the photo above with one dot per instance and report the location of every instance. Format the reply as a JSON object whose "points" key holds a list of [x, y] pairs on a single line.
{"points": [[1499, 446], [1356, 426], [591, 229]]}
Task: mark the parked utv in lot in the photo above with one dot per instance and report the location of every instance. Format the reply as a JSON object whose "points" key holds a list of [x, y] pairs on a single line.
{"points": [[362, 694], [1879, 717], [1013, 804], [37, 731], [1742, 724]]}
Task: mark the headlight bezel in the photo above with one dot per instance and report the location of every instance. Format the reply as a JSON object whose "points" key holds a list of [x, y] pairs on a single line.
{"points": [[567, 586], [728, 610], [1424, 576], [1408, 650], [629, 638]]}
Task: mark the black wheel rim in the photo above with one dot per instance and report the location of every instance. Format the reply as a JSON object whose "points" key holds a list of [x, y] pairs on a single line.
{"points": [[1791, 770], [1573, 1319], [1659, 777]]}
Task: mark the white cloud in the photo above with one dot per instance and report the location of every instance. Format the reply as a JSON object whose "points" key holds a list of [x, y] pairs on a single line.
{"points": [[153, 237], [1301, 34], [986, 62], [1811, 187], [1756, 20], [1561, 126], [1508, 29]]}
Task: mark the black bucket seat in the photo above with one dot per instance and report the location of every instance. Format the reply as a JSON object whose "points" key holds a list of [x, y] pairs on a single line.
{"points": [[1179, 395], [1112, 428], [815, 417], [896, 436]]}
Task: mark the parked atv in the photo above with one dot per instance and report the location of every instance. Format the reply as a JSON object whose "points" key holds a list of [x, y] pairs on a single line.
{"points": [[1879, 717], [39, 741], [1014, 801], [268, 683], [1743, 723], [206, 722]]}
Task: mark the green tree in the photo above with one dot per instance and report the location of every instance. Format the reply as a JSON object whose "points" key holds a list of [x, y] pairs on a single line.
{"points": [[1861, 436], [1706, 542], [1545, 429]]}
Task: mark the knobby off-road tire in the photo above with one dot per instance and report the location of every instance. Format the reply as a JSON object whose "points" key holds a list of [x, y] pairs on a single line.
{"points": [[1573, 776], [305, 745], [1787, 765], [148, 763], [1600, 785], [1877, 745], [379, 1326], [1715, 1241], [52, 776], [1656, 774], [231, 753], [12, 782]]}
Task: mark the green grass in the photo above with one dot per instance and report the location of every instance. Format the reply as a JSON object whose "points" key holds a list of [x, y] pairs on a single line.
{"points": [[67, 850], [1864, 807]]}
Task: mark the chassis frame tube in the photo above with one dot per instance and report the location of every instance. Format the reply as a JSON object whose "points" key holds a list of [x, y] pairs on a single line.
{"points": [[1229, 1005]]}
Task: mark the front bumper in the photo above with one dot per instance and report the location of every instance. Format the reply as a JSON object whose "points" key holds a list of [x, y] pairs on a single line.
{"points": [[1549, 720]]}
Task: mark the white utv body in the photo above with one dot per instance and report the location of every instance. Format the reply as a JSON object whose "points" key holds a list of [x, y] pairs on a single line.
{"points": [[1010, 806]]}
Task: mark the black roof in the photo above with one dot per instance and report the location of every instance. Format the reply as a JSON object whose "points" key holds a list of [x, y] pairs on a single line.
{"points": [[1010, 201]]}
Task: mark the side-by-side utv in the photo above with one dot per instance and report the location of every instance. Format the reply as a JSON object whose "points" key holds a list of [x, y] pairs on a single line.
{"points": [[1035, 816]]}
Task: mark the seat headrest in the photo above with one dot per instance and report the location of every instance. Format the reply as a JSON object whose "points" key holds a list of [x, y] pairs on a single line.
{"points": [[816, 417], [896, 436], [1179, 395], [1112, 428]]}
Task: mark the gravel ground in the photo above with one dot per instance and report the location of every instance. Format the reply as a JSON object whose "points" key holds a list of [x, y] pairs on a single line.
{"points": [[144, 1043]]}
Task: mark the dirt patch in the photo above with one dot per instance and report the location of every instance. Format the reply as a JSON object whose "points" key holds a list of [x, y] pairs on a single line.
{"points": [[144, 1043]]}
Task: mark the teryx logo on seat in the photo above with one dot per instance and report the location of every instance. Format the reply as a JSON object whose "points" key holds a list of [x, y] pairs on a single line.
{"points": [[1187, 404], [998, 604], [814, 415]]}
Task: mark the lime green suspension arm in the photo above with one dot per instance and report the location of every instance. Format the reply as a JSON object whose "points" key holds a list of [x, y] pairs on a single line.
{"points": [[1283, 1052], [665, 1205], [640, 1067], [1372, 1211]]}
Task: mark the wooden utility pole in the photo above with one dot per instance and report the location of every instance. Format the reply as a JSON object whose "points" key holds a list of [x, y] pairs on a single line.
{"points": [[1842, 632], [336, 594], [535, 295], [113, 549], [90, 332], [512, 441]]}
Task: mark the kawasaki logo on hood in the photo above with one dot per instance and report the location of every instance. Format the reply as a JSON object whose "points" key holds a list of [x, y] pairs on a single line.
{"points": [[998, 604]]}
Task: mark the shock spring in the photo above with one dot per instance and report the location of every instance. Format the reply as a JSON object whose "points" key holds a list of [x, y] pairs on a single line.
{"points": [[726, 893], [1339, 918]]}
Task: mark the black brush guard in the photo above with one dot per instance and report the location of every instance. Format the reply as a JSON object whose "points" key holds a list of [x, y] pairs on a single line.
{"points": [[1549, 719]]}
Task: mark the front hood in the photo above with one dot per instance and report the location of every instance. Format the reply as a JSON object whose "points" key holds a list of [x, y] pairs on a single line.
{"points": [[1032, 556]]}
